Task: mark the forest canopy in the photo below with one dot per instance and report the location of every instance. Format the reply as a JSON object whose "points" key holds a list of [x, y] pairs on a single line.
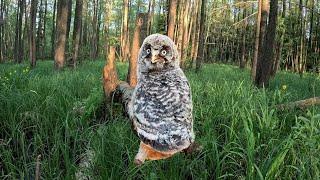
{"points": [[30, 30]]}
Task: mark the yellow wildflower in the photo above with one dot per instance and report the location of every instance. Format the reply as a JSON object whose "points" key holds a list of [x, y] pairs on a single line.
{"points": [[284, 87]]}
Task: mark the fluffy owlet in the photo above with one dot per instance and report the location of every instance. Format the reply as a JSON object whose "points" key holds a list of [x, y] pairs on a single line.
{"points": [[161, 105]]}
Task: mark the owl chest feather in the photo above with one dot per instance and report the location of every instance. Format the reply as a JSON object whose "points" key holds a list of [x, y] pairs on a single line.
{"points": [[163, 109], [163, 97]]}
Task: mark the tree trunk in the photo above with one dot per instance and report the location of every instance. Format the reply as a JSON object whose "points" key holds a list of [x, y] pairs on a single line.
{"points": [[143, 31], [185, 42], [44, 28], [1, 30], [276, 65], [94, 44], [264, 63], [257, 42], [62, 19], [132, 71], [124, 32], [68, 23], [76, 32], [32, 33], [107, 18], [202, 36], [84, 37], [197, 35], [244, 32], [311, 26], [195, 32], [39, 31], [181, 11], [53, 34], [172, 18], [98, 30], [150, 16], [18, 37]]}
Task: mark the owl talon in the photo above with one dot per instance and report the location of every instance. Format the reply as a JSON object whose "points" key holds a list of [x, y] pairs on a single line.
{"points": [[138, 162], [141, 156]]}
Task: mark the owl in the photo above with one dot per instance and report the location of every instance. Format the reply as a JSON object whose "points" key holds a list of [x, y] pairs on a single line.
{"points": [[161, 104]]}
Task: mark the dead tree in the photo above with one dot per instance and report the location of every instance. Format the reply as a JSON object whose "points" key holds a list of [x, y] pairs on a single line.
{"points": [[132, 72]]}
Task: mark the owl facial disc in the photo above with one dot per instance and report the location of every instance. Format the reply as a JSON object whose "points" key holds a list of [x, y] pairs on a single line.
{"points": [[158, 53]]}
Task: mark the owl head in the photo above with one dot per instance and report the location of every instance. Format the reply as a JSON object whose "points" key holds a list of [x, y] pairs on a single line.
{"points": [[157, 53]]}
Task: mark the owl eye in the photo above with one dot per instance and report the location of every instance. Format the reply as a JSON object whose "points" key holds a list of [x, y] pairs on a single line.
{"points": [[163, 52], [148, 51]]}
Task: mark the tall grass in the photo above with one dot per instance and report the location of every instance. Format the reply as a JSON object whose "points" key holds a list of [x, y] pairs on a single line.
{"points": [[58, 115]]}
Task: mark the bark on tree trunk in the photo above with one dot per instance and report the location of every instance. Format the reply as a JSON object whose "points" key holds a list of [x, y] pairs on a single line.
{"points": [[1, 30], [124, 32], [84, 37], [257, 43], [265, 62], [107, 17], [143, 31], [172, 18], [98, 30], [279, 45], [194, 33], [53, 35], [180, 28], [202, 36], [32, 33], [132, 71], [44, 28], [39, 32], [94, 39], [185, 42], [244, 32], [150, 16], [18, 38], [76, 32], [61, 35], [68, 22]]}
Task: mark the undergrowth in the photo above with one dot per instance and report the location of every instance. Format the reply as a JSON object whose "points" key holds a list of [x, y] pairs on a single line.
{"points": [[60, 115]]}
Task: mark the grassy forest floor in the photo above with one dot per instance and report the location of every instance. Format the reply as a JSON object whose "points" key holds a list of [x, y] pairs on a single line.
{"points": [[60, 116]]}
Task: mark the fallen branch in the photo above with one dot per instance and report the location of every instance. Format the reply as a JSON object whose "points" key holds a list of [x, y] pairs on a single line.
{"points": [[302, 104]]}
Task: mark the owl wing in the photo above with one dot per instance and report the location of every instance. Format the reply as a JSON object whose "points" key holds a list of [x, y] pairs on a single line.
{"points": [[162, 111]]}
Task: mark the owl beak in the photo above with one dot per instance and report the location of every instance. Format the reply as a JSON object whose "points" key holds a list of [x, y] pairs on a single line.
{"points": [[154, 59]]}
